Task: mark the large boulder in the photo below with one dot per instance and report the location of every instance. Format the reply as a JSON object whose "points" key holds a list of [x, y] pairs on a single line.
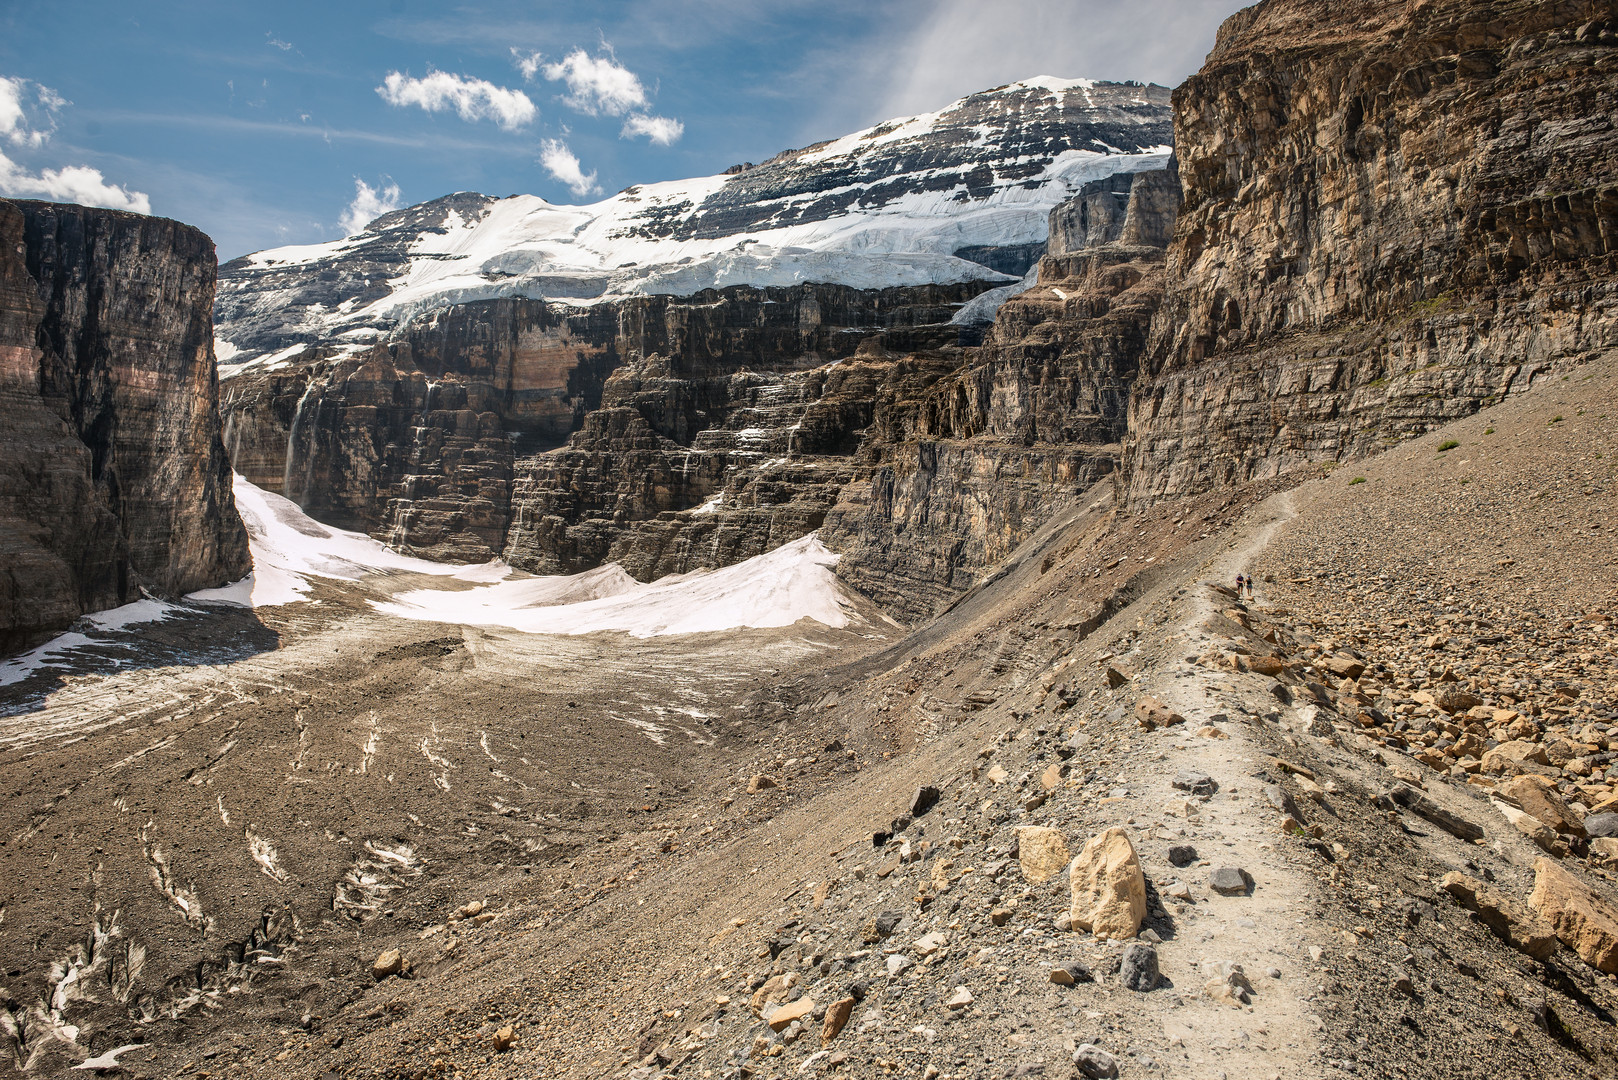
{"points": [[1108, 887], [1585, 922], [1538, 796]]}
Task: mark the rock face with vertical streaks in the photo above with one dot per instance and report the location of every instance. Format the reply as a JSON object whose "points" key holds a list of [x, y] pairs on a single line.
{"points": [[1395, 214], [113, 479]]}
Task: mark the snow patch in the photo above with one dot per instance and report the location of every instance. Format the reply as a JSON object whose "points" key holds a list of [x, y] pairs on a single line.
{"points": [[795, 581]]}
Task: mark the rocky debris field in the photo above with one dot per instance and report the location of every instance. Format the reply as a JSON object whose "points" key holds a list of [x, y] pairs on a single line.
{"points": [[1103, 817]]}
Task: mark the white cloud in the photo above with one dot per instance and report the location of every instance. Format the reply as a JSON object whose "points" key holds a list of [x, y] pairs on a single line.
{"points": [[28, 112], [28, 119], [528, 65], [661, 130], [369, 204], [596, 84], [72, 183], [473, 99], [563, 164]]}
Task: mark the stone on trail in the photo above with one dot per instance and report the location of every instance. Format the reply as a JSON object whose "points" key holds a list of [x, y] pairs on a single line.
{"points": [[1195, 782], [1530, 826], [928, 944], [925, 798], [1231, 987], [1538, 796], [389, 962], [1230, 881], [898, 964], [1071, 974], [1345, 666], [1107, 886], [1041, 852], [1138, 969], [1265, 665], [1508, 757], [960, 999], [776, 989], [997, 774], [1182, 855], [1051, 778], [759, 783], [1095, 1063], [1150, 712], [505, 1038], [1586, 922], [837, 1014], [782, 1018], [1423, 807], [1116, 678], [1601, 825], [1523, 930], [1280, 798]]}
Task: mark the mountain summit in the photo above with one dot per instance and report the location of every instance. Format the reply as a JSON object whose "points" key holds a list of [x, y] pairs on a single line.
{"points": [[955, 195]]}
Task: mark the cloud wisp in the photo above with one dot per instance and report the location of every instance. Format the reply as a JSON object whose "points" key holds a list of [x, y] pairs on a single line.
{"points": [[564, 166], [472, 99], [601, 86], [596, 84], [28, 120], [369, 204], [661, 130]]}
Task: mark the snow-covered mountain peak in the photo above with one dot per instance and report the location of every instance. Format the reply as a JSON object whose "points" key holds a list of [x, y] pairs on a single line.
{"points": [[955, 195]]}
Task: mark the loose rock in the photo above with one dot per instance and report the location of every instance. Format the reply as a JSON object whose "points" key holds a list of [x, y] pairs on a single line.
{"points": [[1107, 885]]}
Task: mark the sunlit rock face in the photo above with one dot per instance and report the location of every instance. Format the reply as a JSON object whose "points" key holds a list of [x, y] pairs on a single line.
{"points": [[1394, 215], [113, 479]]}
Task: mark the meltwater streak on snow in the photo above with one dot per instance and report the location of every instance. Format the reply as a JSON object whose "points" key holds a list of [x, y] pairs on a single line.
{"points": [[792, 582]]}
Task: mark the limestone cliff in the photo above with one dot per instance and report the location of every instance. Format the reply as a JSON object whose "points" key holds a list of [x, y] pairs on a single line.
{"points": [[1395, 214], [113, 479], [1032, 418], [447, 439]]}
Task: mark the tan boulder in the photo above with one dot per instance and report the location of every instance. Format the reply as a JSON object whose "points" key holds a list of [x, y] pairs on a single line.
{"points": [[759, 783], [1530, 826], [1108, 887], [837, 1014], [1051, 778], [1508, 754], [776, 988], [1586, 922], [1265, 665], [1538, 796], [1455, 701], [781, 1018], [1151, 712], [1524, 930], [1042, 852]]}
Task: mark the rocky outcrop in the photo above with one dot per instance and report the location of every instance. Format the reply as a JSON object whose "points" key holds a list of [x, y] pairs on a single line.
{"points": [[447, 440], [1395, 214], [113, 479]]}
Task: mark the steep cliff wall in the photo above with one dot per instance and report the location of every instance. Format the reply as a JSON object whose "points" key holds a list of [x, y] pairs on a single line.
{"points": [[1395, 214], [972, 467], [437, 439], [113, 478]]}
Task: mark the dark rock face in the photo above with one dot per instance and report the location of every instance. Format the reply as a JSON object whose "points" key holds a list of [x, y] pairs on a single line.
{"points": [[113, 478], [446, 440], [1395, 215]]}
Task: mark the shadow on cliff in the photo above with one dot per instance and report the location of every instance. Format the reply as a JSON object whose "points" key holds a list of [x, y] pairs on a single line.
{"points": [[207, 635]]}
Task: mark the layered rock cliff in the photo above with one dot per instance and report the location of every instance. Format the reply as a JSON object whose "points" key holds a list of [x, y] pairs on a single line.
{"points": [[1395, 214], [1026, 422], [113, 478], [437, 439]]}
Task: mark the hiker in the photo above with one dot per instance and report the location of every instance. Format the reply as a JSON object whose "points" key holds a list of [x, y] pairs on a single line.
{"points": [[1250, 586], [1240, 581]]}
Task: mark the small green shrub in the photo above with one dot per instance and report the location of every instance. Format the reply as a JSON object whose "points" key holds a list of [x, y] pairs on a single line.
{"points": [[1448, 444], [1488, 431], [1356, 480]]}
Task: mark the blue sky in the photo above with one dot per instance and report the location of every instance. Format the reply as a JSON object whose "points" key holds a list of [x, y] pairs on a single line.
{"points": [[276, 123]]}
